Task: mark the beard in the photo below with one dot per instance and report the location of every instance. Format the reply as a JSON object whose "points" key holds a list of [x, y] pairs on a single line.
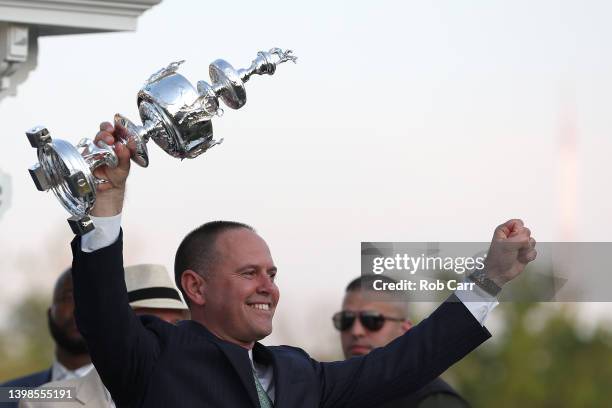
{"points": [[75, 346]]}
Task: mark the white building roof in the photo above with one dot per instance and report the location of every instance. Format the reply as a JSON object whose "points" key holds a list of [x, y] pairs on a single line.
{"points": [[53, 17]]}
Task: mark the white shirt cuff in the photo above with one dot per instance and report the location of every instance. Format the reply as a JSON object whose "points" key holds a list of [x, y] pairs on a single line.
{"points": [[478, 302], [105, 233]]}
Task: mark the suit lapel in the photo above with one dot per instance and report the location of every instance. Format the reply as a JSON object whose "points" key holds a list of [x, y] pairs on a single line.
{"points": [[263, 355], [239, 358]]}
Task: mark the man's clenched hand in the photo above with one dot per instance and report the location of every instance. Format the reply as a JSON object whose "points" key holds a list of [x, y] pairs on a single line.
{"points": [[109, 195], [512, 248]]}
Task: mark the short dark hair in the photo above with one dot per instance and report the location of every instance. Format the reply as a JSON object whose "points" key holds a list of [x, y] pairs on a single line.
{"points": [[365, 283], [197, 250]]}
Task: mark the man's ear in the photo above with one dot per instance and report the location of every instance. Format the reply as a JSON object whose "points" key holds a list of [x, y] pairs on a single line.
{"points": [[193, 285], [406, 325]]}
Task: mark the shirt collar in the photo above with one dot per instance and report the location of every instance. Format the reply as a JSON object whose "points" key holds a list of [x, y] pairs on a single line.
{"points": [[251, 357], [60, 372]]}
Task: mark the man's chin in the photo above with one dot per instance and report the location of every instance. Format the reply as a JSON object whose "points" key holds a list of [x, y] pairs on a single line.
{"points": [[262, 332], [265, 333], [261, 325]]}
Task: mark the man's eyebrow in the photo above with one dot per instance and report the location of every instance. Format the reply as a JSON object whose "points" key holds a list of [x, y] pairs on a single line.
{"points": [[249, 266], [254, 266]]}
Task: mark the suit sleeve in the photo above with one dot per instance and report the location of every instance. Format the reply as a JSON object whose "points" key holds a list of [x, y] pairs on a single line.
{"points": [[404, 365], [122, 349]]}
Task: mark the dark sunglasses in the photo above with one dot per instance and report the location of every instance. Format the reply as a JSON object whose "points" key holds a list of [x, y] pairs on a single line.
{"points": [[372, 321]]}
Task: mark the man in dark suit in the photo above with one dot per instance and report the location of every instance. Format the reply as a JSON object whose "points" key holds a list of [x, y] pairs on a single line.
{"points": [[71, 356], [227, 275], [370, 319]]}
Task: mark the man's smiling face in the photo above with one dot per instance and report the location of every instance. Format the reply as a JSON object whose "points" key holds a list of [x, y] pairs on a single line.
{"points": [[240, 293]]}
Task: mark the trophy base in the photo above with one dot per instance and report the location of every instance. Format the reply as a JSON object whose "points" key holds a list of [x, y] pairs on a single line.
{"points": [[68, 175]]}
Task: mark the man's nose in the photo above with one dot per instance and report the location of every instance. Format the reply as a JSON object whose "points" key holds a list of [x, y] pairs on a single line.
{"points": [[266, 284], [357, 330]]}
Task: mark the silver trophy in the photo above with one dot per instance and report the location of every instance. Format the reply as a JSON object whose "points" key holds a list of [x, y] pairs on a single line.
{"points": [[174, 113]]}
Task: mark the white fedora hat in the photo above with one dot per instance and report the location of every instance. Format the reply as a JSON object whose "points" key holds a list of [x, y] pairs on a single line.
{"points": [[150, 286]]}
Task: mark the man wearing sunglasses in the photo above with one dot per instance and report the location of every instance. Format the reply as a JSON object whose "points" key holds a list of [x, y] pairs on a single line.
{"points": [[371, 319]]}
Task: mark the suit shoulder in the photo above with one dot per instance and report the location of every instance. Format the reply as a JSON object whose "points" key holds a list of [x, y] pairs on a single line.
{"points": [[175, 336], [289, 351], [159, 327], [31, 380], [297, 357], [296, 362], [154, 322]]}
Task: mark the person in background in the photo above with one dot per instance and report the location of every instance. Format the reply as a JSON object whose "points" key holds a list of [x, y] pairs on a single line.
{"points": [[71, 356], [151, 292], [370, 319]]}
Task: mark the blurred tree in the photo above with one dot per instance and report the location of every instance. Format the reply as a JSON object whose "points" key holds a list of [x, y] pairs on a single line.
{"points": [[25, 343], [540, 361]]}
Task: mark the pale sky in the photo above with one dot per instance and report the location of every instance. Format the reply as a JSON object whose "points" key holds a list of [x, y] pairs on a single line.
{"points": [[402, 121]]}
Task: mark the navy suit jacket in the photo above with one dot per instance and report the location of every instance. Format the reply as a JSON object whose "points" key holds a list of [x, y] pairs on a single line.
{"points": [[146, 362], [32, 380]]}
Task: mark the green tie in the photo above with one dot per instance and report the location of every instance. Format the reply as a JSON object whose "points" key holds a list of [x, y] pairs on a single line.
{"points": [[264, 399]]}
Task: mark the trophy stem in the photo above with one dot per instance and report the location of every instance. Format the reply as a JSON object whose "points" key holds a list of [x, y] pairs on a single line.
{"points": [[148, 127], [245, 74], [135, 138], [218, 88], [97, 155]]}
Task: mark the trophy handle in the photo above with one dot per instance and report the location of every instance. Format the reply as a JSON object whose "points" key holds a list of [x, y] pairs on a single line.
{"points": [[134, 138]]}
